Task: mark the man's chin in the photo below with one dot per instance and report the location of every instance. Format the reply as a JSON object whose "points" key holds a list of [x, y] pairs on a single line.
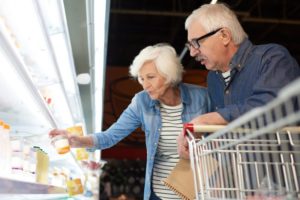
{"points": [[208, 67]]}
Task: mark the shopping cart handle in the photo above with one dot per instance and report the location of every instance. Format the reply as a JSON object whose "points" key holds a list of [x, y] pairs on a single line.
{"points": [[188, 126], [201, 128]]}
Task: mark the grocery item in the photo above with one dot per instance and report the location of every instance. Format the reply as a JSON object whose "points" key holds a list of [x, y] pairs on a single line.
{"points": [[61, 144], [76, 130]]}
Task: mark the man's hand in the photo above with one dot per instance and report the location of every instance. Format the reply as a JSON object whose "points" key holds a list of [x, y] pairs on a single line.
{"points": [[183, 146], [212, 118]]}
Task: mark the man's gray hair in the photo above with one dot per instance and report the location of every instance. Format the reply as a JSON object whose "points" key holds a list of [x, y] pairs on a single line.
{"points": [[214, 16]]}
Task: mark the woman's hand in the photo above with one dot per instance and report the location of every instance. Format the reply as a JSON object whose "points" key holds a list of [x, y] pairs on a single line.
{"points": [[75, 141], [56, 132]]}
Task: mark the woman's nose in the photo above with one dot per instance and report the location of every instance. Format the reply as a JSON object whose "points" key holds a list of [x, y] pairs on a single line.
{"points": [[145, 84]]}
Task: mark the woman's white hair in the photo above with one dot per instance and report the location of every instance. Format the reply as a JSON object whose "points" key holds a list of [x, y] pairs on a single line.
{"points": [[165, 59], [214, 16]]}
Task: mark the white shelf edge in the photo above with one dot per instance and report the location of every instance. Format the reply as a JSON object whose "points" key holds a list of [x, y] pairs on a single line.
{"points": [[12, 186]]}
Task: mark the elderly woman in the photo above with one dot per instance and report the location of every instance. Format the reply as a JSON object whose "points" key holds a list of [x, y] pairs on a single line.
{"points": [[160, 110]]}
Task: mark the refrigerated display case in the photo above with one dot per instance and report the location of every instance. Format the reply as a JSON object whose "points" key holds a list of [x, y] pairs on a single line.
{"points": [[38, 92]]}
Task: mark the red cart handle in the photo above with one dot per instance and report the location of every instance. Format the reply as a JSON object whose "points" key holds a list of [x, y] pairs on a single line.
{"points": [[201, 128], [188, 126]]}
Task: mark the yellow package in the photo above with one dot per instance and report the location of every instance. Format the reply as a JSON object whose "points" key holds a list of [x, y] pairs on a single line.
{"points": [[42, 166], [76, 130], [81, 154], [74, 186]]}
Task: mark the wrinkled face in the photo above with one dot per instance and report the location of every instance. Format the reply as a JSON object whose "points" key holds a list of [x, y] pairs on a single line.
{"points": [[152, 81], [209, 52]]}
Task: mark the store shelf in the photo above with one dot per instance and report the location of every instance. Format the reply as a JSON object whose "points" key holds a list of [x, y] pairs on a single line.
{"points": [[38, 89]]}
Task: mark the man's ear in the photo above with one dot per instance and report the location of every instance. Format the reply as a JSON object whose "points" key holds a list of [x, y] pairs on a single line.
{"points": [[225, 35]]}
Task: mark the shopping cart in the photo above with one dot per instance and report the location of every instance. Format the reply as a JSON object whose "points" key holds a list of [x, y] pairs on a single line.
{"points": [[255, 157]]}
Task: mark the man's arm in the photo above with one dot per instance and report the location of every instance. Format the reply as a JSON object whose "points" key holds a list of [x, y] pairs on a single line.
{"points": [[212, 118]]}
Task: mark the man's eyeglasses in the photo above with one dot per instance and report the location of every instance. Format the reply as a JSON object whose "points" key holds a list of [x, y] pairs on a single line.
{"points": [[195, 42]]}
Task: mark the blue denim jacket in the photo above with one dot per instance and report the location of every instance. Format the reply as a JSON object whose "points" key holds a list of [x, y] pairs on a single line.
{"points": [[145, 113], [257, 74]]}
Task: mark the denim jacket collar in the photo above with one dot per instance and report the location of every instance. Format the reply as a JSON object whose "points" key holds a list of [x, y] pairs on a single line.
{"points": [[238, 60]]}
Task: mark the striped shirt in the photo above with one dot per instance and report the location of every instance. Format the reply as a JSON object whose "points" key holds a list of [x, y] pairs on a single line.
{"points": [[226, 77], [166, 155]]}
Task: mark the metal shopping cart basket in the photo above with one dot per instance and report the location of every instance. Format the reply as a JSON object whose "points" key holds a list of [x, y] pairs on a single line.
{"points": [[256, 157]]}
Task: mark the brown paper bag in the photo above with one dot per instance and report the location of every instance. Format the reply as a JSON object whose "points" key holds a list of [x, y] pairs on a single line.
{"points": [[181, 179]]}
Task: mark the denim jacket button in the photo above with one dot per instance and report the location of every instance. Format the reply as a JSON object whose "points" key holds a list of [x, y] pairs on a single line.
{"points": [[227, 92]]}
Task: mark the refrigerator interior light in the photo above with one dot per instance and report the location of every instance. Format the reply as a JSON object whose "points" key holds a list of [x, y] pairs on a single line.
{"points": [[55, 24], [46, 52], [21, 105], [37, 77], [34, 50]]}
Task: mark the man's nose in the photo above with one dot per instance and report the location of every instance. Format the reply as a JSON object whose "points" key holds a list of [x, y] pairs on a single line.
{"points": [[193, 51]]}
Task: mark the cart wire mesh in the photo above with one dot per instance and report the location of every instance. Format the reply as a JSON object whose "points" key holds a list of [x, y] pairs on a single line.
{"points": [[255, 157]]}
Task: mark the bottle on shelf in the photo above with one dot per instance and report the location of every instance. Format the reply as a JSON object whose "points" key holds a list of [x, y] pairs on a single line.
{"points": [[5, 149]]}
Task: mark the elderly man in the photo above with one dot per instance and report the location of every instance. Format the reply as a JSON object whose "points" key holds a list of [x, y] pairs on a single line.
{"points": [[242, 75]]}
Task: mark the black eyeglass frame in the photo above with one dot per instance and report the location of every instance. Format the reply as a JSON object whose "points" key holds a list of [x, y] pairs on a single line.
{"points": [[195, 42]]}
